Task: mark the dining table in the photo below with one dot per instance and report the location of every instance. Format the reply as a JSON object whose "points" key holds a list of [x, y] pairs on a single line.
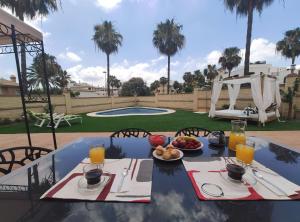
{"points": [[172, 197]]}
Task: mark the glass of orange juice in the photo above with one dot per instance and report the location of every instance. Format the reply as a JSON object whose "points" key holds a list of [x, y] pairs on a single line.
{"points": [[245, 152], [237, 134], [97, 155]]}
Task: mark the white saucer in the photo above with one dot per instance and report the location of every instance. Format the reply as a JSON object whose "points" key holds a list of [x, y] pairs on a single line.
{"points": [[84, 187], [246, 179], [170, 160]]}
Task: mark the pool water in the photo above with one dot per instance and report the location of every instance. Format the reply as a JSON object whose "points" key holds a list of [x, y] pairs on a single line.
{"points": [[131, 111]]}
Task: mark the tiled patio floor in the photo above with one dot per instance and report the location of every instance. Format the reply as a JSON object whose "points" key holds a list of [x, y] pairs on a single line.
{"points": [[288, 138]]}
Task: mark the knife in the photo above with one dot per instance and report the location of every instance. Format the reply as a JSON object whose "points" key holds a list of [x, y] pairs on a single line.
{"points": [[124, 174]]}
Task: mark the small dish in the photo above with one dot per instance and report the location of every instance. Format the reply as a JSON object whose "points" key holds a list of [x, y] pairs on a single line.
{"points": [[157, 140], [170, 160]]}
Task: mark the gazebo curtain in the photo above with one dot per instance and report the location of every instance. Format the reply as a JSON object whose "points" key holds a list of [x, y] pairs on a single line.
{"points": [[258, 99], [277, 98], [233, 90], [217, 86]]}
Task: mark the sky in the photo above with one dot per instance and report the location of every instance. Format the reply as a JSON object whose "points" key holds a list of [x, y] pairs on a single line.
{"points": [[208, 27]]}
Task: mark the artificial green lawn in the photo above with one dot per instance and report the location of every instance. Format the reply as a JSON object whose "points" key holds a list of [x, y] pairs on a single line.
{"points": [[169, 122]]}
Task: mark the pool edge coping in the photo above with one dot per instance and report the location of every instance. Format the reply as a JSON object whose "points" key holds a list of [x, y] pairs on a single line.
{"points": [[94, 114]]}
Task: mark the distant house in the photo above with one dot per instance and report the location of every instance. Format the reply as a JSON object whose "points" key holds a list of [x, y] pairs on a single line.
{"points": [[87, 90], [9, 87]]}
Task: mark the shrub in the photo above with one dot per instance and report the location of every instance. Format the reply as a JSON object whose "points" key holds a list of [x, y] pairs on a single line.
{"points": [[5, 121]]}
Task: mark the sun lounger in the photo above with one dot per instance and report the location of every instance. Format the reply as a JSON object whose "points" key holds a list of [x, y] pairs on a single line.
{"points": [[65, 118], [40, 118]]}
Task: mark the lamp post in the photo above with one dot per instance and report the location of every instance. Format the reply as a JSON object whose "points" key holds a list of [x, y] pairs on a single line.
{"points": [[105, 82]]}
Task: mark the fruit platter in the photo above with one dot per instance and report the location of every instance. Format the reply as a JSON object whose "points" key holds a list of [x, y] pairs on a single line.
{"points": [[187, 143], [170, 153]]}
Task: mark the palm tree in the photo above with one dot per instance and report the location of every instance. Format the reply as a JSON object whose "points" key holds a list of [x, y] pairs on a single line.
{"points": [[177, 86], [154, 86], [230, 58], [114, 82], [31, 9], [246, 8], [289, 46], [210, 72], [199, 79], [163, 81], [108, 40], [167, 38], [62, 79], [35, 72], [289, 96]]}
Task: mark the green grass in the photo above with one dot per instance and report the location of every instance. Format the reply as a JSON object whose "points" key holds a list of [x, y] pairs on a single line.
{"points": [[170, 122]]}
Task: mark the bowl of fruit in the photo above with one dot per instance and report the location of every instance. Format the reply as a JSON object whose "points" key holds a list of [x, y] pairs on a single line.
{"points": [[157, 140], [187, 143]]}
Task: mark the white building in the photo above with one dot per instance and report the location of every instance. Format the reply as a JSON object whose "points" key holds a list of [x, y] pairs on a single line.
{"points": [[87, 90]]}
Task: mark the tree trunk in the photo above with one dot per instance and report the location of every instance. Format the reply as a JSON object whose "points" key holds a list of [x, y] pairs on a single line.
{"points": [[290, 110], [229, 73], [23, 63], [168, 86], [292, 66], [107, 81], [248, 37]]}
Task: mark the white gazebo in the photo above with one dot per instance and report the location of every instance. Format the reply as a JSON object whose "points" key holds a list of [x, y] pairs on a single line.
{"points": [[20, 39], [265, 92]]}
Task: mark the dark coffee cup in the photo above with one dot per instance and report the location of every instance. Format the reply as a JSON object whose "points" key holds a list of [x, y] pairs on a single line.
{"points": [[235, 171], [92, 173]]}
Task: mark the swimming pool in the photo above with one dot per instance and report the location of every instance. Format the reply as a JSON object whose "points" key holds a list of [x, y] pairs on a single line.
{"points": [[131, 111]]}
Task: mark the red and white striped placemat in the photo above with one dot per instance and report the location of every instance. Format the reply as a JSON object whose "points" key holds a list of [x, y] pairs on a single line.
{"points": [[212, 171], [135, 188]]}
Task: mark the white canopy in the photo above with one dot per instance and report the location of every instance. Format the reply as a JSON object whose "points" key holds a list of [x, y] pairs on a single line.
{"points": [[21, 27], [262, 99]]}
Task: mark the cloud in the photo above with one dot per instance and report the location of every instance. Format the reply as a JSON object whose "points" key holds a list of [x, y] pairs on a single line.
{"points": [[213, 57], [123, 71], [262, 49], [70, 56], [108, 4]]}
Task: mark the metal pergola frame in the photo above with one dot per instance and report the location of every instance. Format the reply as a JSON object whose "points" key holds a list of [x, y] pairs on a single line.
{"points": [[12, 40]]}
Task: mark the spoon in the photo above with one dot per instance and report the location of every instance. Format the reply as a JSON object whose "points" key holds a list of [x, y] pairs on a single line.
{"points": [[258, 175]]}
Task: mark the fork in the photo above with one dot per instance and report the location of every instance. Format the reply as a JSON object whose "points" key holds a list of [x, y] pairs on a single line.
{"points": [[124, 174]]}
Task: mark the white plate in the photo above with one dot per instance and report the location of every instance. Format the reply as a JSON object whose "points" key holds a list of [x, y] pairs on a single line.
{"points": [[198, 148], [83, 187], [170, 160]]}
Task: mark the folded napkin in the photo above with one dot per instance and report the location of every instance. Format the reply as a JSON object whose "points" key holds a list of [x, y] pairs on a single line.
{"points": [[213, 171], [281, 186]]}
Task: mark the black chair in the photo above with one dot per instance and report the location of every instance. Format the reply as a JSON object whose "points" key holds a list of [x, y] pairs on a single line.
{"points": [[193, 131], [130, 132], [19, 156]]}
